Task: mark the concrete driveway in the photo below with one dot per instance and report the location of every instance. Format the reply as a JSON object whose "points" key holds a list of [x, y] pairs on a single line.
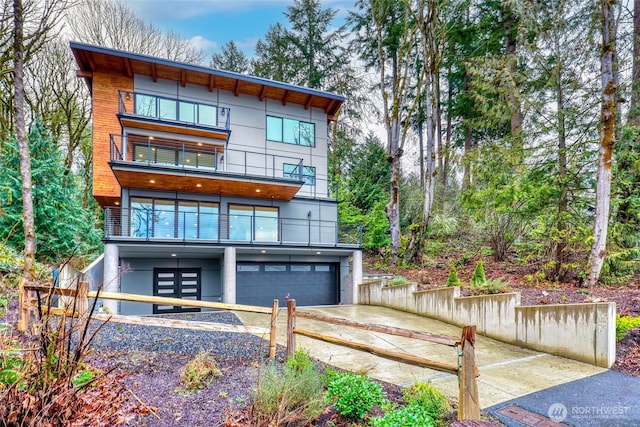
{"points": [[507, 372]]}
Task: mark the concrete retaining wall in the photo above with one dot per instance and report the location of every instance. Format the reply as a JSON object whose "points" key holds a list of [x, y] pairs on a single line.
{"points": [[584, 332]]}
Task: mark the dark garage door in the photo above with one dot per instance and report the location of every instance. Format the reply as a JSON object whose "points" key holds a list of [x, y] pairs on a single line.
{"points": [[307, 283]]}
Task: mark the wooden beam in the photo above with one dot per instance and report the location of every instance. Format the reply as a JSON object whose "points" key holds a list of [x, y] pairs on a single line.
{"points": [[307, 104], [127, 66], [285, 98], [177, 301], [291, 325], [183, 78], [330, 106], [331, 118], [179, 324], [392, 355], [263, 90], [272, 329], [237, 89], [212, 82], [154, 72], [390, 330], [84, 74]]}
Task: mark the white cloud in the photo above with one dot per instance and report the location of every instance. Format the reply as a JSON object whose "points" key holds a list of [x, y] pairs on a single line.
{"points": [[205, 45]]}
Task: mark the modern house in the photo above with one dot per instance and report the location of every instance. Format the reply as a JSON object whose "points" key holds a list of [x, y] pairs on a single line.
{"points": [[214, 185]]}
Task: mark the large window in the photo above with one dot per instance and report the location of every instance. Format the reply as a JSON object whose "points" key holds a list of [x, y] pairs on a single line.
{"points": [[172, 109], [291, 131], [170, 219], [294, 171], [253, 223]]}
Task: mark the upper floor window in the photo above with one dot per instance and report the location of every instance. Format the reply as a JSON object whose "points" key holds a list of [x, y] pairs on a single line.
{"points": [[293, 171], [178, 110], [291, 131]]}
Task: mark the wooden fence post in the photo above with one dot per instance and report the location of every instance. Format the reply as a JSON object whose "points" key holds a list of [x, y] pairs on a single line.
{"points": [[23, 313], [291, 324], [272, 332], [469, 403], [82, 302]]}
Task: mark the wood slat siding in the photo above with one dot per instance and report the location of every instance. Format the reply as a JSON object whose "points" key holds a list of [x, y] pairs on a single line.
{"points": [[106, 189]]}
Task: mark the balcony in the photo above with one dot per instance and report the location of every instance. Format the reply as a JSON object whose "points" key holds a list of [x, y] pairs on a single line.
{"points": [[191, 222], [173, 165], [138, 110]]}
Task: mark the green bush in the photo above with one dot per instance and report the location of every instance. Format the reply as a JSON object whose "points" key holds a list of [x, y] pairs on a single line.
{"points": [[200, 371], [490, 287], [412, 415], [453, 279], [624, 324], [353, 395], [478, 277], [397, 281], [426, 396], [288, 397]]}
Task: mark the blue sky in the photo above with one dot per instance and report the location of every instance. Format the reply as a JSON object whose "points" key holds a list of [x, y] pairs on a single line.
{"points": [[212, 23]]}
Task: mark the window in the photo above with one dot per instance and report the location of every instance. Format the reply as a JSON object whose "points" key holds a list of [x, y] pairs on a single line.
{"points": [[253, 223], [293, 171], [169, 219], [291, 131]]}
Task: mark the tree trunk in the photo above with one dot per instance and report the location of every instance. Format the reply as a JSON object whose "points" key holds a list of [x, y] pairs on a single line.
{"points": [[510, 29], [634, 109], [561, 243], [393, 208], [23, 142], [607, 142], [430, 174]]}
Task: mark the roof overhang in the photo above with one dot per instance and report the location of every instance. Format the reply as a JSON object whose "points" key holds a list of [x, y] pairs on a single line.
{"points": [[95, 59]]}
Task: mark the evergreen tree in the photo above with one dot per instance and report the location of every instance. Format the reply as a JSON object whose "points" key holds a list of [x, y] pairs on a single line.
{"points": [[230, 59], [478, 278], [273, 58], [453, 279], [63, 227]]}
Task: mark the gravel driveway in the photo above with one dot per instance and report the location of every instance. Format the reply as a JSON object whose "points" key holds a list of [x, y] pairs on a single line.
{"points": [[154, 356]]}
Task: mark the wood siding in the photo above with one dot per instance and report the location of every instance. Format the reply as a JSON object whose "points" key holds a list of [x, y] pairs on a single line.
{"points": [[106, 189]]}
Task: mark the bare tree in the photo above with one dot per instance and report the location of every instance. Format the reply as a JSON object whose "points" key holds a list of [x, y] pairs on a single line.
{"points": [[608, 68], [23, 142], [111, 23]]}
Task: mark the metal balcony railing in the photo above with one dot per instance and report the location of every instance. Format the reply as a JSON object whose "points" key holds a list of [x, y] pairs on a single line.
{"points": [[163, 152], [179, 111], [193, 225]]}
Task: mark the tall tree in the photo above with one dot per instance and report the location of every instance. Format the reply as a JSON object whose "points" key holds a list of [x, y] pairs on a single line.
{"points": [[230, 59], [608, 69], [111, 23], [273, 59], [23, 143], [387, 40]]}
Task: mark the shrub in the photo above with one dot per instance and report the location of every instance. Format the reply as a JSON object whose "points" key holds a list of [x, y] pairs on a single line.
{"points": [[490, 287], [453, 279], [412, 415], [200, 371], [353, 395], [478, 277], [397, 281], [288, 397], [624, 324], [426, 396]]}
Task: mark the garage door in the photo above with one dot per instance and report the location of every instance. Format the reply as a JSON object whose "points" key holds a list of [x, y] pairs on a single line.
{"points": [[309, 284]]}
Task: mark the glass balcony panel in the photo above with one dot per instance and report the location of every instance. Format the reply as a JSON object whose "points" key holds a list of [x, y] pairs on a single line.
{"points": [[188, 220], [208, 221], [141, 153], [167, 109], [206, 160], [141, 214], [207, 115], [240, 222], [187, 112], [145, 105], [266, 220], [165, 156], [164, 219], [188, 158]]}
